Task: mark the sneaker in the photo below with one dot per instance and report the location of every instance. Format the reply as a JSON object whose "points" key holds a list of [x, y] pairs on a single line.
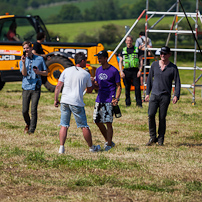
{"points": [[95, 148], [107, 148], [106, 144], [61, 150]]}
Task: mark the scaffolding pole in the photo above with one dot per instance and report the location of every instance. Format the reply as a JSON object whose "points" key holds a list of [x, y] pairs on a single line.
{"points": [[195, 44], [176, 32], [129, 31]]}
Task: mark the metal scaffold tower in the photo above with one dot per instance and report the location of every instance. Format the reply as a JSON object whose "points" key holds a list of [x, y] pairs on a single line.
{"points": [[178, 16]]}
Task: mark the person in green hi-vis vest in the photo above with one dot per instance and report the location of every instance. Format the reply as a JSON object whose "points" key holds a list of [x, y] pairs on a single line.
{"points": [[131, 72]]}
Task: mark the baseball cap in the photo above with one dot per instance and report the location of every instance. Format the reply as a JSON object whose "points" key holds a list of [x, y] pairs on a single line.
{"points": [[165, 49], [102, 53]]}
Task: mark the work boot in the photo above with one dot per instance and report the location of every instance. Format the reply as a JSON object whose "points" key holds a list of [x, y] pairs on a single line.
{"points": [[152, 141], [160, 141]]}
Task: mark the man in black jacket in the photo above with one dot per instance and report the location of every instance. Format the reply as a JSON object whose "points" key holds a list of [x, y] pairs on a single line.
{"points": [[159, 83]]}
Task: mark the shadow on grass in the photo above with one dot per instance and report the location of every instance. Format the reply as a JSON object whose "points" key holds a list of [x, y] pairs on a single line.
{"points": [[189, 145], [14, 91], [132, 148], [19, 91]]}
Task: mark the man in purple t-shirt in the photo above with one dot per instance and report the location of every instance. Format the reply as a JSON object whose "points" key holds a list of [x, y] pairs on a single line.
{"points": [[107, 81]]}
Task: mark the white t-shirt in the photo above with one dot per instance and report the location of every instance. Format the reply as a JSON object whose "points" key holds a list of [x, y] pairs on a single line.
{"points": [[75, 80]]}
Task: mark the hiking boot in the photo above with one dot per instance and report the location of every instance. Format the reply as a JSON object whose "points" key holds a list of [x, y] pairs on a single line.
{"points": [[26, 130], [151, 141], [106, 144], [95, 148]]}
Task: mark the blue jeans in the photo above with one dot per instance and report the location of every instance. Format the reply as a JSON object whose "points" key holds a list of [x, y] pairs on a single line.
{"points": [[162, 102], [78, 112], [33, 96]]}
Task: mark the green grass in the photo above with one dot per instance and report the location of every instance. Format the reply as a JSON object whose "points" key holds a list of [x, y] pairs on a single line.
{"points": [[71, 30], [32, 169]]}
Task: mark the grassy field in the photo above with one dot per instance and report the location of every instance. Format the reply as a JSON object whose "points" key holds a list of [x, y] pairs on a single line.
{"points": [[32, 169], [71, 30]]}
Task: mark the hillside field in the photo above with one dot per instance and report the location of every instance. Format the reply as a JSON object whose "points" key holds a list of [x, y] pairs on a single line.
{"points": [[46, 11], [71, 30]]}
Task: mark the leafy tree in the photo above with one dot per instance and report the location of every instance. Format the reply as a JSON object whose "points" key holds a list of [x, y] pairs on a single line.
{"points": [[84, 38], [34, 4], [6, 8], [105, 10], [88, 15], [70, 12], [110, 34], [124, 12]]}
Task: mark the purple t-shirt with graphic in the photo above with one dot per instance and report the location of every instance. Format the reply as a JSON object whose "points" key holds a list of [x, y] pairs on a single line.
{"points": [[106, 79]]}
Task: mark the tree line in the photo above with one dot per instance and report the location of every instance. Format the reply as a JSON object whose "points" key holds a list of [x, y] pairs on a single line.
{"points": [[112, 10], [101, 9]]}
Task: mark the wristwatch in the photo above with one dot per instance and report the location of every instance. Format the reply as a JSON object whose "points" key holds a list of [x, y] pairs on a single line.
{"points": [[117, 99]]}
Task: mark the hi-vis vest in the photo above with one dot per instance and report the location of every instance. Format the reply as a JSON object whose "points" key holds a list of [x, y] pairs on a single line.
{"points": [[130, 60]]}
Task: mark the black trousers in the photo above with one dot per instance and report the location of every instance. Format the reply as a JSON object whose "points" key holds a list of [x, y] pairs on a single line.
{"points": [[131, 78], [162, 102], [33, 96]]}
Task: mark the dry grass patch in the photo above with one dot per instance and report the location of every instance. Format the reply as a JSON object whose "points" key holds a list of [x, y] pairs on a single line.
{"points": [[32, 170]]}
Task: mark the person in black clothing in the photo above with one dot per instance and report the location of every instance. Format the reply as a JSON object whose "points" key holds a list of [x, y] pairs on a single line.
{"points": [[37, 48], [131, 73], [159, 83]]}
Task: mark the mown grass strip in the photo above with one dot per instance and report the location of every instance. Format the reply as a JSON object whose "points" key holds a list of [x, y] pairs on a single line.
{"points": [[40, 158]]}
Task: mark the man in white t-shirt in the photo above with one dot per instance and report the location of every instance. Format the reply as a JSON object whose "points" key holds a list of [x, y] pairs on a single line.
{"points": [[75, 81]]}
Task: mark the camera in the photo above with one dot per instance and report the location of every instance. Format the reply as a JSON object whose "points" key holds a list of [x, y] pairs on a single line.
{"points": [[24, 53]]}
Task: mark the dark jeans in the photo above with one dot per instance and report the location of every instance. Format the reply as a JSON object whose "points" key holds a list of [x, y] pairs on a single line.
{"points": [[33, 96], [131, 78], [162, 102]]}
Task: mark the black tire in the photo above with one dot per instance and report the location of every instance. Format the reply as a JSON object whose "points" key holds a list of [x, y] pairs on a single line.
{"points": [[56, 66], [2, 83]]}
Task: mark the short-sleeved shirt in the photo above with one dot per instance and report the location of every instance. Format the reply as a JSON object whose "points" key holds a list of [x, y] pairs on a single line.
{"points": [[75, 80], [10, 34], [140, 40], [32, 80], [38, 48], [107, 80]]}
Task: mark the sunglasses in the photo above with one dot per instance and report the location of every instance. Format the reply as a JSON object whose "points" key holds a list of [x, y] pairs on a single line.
{"points": [[162, 53]]}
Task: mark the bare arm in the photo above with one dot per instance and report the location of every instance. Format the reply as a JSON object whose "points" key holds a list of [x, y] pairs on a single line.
{"points": [[57, 92], [95, 84], [16, 38], [42, 55], [118, 94], [120, 67]]}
